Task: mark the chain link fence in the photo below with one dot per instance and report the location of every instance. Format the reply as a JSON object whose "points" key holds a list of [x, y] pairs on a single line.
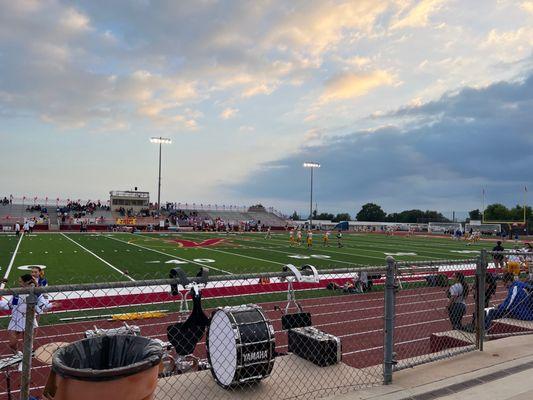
{"points": [[291, 334], [299, 333]]}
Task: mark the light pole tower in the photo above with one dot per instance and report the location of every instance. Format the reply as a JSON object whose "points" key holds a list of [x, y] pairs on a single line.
{"points": [[311, 166], [160, 141]]}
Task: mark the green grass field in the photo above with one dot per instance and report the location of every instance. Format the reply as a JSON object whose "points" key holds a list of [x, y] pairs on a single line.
{"points": [[75, 258]]}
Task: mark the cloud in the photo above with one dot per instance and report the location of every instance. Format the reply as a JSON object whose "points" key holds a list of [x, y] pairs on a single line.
{"points": [[74, 20], [510, 46], [229, 113], [418, 16], [472, 139], [527, 6], [350, 85], [246, 128]]}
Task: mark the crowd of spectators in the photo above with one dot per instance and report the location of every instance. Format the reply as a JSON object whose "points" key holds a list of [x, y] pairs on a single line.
{"points": [[88, 208], [6, 201], [75, 212], [37, 208]]}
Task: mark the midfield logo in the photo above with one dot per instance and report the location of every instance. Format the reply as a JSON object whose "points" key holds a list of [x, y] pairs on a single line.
{"points": [[205, 243]]}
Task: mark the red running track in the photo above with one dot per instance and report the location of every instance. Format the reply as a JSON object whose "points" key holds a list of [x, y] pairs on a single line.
{"points": [[357, 319]]}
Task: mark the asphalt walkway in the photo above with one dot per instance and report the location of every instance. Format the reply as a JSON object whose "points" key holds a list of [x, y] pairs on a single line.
{"points": [[503, 371]]}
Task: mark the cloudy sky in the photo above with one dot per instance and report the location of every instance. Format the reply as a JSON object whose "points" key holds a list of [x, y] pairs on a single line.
{"points": [[405, 103]]}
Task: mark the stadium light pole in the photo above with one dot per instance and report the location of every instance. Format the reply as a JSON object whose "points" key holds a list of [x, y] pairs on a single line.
{"points": [[160, 141], [311, 166]]}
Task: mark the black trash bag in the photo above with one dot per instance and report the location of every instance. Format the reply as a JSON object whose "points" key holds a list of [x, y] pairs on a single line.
{"points": [[102, 358], [184, 336]]}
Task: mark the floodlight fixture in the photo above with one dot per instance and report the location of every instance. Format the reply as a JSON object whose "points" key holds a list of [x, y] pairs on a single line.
{"points": [[311, 165], [160, 140]]}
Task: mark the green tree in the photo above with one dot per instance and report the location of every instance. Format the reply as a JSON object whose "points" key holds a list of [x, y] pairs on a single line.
{"points": [[371, 212], [341, 217], [517, 213], [497, 212], [474, 215], [295, 216]]}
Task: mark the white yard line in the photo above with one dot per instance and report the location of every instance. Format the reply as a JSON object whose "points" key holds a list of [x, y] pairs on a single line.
{"points": [[98, 257], [362, 249], [169, 255], [6, 275]]}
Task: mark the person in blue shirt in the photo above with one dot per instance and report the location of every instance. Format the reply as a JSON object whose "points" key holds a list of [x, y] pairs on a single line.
{"points": [[518, 303]]}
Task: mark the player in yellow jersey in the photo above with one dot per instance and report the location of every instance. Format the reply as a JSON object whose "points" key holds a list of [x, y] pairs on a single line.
{"points": [[299, 237], [309, 239], [325, 239]]}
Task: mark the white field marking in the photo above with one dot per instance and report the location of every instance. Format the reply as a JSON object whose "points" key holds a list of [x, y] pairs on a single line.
{"points": [[173, 262], [204, 260], [298, 255], [378, 242], [400, 254], [168, 255], [362, 245], [10, 265], [98, 257], [343, 253], [465, 251], [29, 267]]}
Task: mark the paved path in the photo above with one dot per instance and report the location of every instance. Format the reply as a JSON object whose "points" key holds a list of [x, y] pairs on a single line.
{"points": [[502, 372]]}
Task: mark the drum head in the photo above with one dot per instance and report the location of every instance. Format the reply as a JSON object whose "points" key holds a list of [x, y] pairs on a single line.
{"points": [[222, 348]]}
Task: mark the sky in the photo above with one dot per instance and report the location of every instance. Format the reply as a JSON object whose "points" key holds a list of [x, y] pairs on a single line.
{"points": [[408, 104]]}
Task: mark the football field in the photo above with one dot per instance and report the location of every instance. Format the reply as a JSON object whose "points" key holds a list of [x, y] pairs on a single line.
{"points": [[104, 257]]}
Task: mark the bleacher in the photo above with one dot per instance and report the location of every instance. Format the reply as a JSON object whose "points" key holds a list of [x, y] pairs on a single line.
{"points": [[264, 217], [62, 216], [12, 213]]}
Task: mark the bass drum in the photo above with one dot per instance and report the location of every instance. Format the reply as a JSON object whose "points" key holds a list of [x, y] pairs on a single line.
{"points": [[240, 345]]}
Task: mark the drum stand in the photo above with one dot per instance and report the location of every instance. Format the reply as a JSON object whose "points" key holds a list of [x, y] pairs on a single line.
{"points": [[298, 277], [182, 364], [5, 366], [8, 383]]}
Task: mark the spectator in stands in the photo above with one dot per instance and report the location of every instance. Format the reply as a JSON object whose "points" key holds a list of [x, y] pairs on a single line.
{"points": [[518, 304], [498, 258], [457, 294]]}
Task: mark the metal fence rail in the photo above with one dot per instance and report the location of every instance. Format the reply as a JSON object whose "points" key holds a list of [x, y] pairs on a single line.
{"points": [[297, 333]]}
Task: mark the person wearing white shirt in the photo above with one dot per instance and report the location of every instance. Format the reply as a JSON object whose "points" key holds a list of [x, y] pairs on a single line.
{"points": [[17, 305], [457, 294], [17, 229]]}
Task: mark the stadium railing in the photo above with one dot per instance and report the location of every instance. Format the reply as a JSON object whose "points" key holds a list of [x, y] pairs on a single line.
{"points": [[297, 333]]}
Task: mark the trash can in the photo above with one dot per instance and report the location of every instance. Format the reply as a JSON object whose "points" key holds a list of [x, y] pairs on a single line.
{"points": [[105, 368]]}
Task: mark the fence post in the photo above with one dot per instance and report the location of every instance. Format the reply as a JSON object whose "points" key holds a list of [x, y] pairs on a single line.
{"points": [[31, 301], [481, 272], [388, 345]]}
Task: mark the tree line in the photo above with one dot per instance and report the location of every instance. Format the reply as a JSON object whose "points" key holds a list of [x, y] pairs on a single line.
{"points": [[374, 213]]}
